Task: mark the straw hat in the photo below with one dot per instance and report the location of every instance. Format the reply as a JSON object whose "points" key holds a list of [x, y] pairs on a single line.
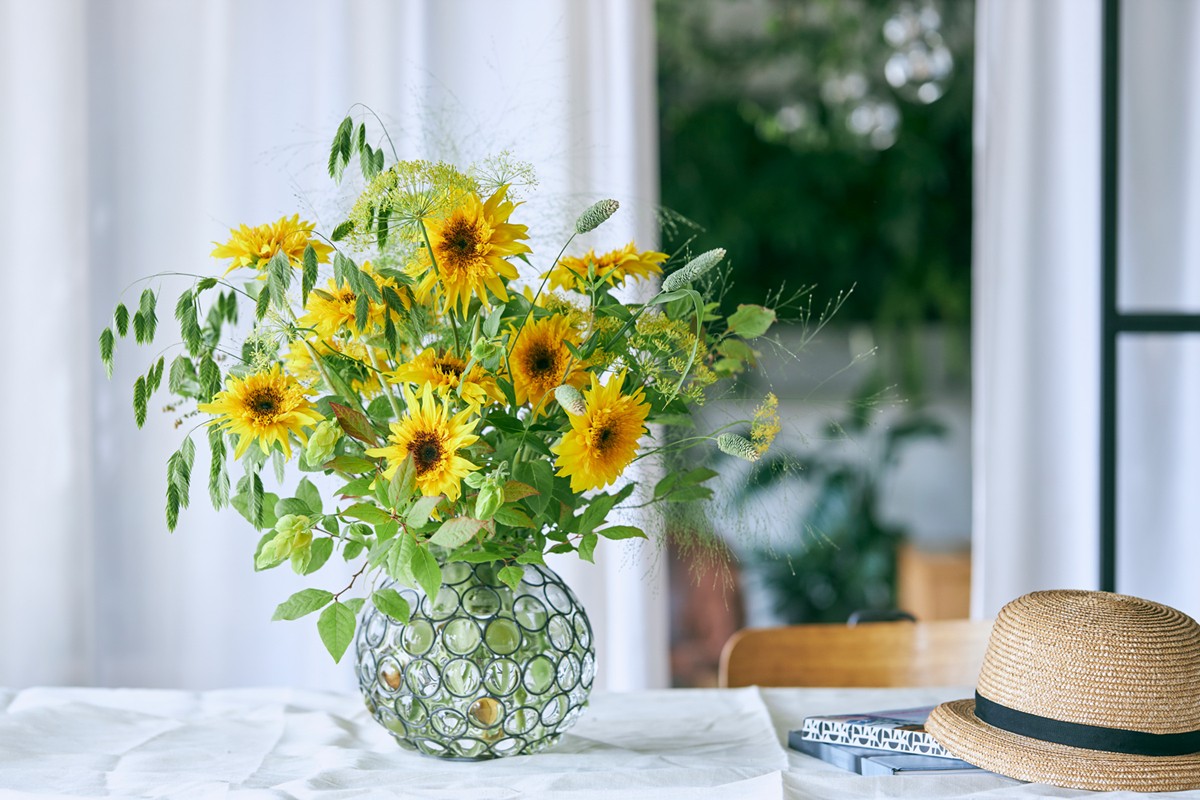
{"points": [[1088, 690]]}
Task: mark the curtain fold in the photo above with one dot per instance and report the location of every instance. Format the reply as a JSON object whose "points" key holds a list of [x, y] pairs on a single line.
{"points": [[1037, 300], [146, 131]]}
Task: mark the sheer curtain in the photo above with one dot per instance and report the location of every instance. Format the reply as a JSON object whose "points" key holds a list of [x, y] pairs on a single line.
{"points": [[1037, 301], [137, 132]]}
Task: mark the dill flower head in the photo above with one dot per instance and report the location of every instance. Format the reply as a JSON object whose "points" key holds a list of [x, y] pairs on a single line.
{"points": [[265, 407], [404, 195], [540, 361], [614, 268], [432, 438], [604, 439], [444, 371], [765, 426], [254, 247], [470, 245]]}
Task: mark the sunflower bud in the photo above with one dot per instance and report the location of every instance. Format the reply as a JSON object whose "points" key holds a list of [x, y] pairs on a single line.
{"points": [[734, 445], [693, 270], [595, 216], [322, 442], [491, 497], [571, 399]]}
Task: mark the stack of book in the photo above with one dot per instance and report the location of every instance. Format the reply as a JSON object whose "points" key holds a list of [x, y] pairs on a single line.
{"points": [[879, 743]]}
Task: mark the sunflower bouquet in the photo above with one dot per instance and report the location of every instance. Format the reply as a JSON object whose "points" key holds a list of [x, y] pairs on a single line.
{"points": [[440, 412]]}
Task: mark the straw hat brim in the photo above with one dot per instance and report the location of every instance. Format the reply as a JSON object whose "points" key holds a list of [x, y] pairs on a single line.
{"points": [[957, 729]]}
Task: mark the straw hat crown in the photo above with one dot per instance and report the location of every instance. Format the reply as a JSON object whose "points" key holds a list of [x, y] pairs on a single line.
{"points": [[1089, 690], [1096, 658]]}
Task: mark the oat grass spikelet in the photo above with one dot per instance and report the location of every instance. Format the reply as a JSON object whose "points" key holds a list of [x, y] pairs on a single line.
{"points": [[263, 407], [604, 439], [254, 247], [432, 438], [470, 245], [444, 372], [540, 361]]}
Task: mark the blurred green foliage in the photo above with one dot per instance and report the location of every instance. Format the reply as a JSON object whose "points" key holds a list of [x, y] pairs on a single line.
{"points": [[767, 141]]}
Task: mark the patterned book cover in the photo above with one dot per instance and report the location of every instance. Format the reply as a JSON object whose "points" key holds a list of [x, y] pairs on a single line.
{"points": [[901, 731]]}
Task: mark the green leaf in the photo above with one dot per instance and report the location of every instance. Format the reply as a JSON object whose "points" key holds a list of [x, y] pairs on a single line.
{"points": [[531, 557], [319, 552], [665, 485], [352, 464], [587, 547], [367, 512], [359, 487], [140, 399], [353, 550], [513, 517], [457, 532], [511, 575], [336, 626], [309, 279], [427, 572], [292, 505], [540, 475], [399, 558], [262, 303], [390, 602], [515, 490], [306, 491], [355, 424], [598, 509], [121, 319], [751, 321], [342, 231], [107, 345], [622, 532], [302, 603], [421, 510]]}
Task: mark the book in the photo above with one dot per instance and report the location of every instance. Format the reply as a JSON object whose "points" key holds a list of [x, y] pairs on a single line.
{"points": [[869, 761], [900, 731]]}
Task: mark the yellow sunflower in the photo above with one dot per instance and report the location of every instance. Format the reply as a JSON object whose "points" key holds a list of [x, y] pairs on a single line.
{"points": [[604, 439], [470, 245], [432, 438], [614, 268], [444, 372], [333, 308], [263, 407], [351, 355], [541, 361], [254, 247]]}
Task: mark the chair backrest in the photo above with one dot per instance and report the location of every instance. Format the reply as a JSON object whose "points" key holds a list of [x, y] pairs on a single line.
{"points": [[935, 653]]}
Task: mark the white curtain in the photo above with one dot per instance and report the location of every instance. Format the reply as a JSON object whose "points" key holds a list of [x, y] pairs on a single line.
{"points": [[136, 132], [1037, 300]]}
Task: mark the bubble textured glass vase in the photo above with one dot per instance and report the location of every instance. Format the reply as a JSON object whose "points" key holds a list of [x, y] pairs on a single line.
{"points": [[483, 672]]}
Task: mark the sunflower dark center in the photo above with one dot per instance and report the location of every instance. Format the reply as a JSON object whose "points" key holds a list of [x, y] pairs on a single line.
{"points": [[449, 366], [541, 360], [264, 402], [604, 436], [460, 245], [426, 451]]}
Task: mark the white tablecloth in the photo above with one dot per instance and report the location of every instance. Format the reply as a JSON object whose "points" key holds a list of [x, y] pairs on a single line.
{"points": [[255, 743]]}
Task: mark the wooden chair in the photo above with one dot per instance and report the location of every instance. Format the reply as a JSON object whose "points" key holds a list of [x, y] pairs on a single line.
{"points": [[935, 653]]}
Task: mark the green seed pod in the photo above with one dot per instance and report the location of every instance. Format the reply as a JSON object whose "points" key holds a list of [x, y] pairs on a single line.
{"points": [[734, 445], [571, 399], [693, 270], [595, 216]]}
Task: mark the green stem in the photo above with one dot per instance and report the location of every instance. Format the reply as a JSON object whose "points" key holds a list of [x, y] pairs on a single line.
{"points": [[387, 389]]}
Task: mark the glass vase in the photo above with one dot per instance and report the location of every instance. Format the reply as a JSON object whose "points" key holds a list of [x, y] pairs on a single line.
{"points": [[484, 671]]}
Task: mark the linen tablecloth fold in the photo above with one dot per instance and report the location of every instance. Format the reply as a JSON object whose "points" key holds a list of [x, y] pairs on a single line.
{"points": [[293, 744]]}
